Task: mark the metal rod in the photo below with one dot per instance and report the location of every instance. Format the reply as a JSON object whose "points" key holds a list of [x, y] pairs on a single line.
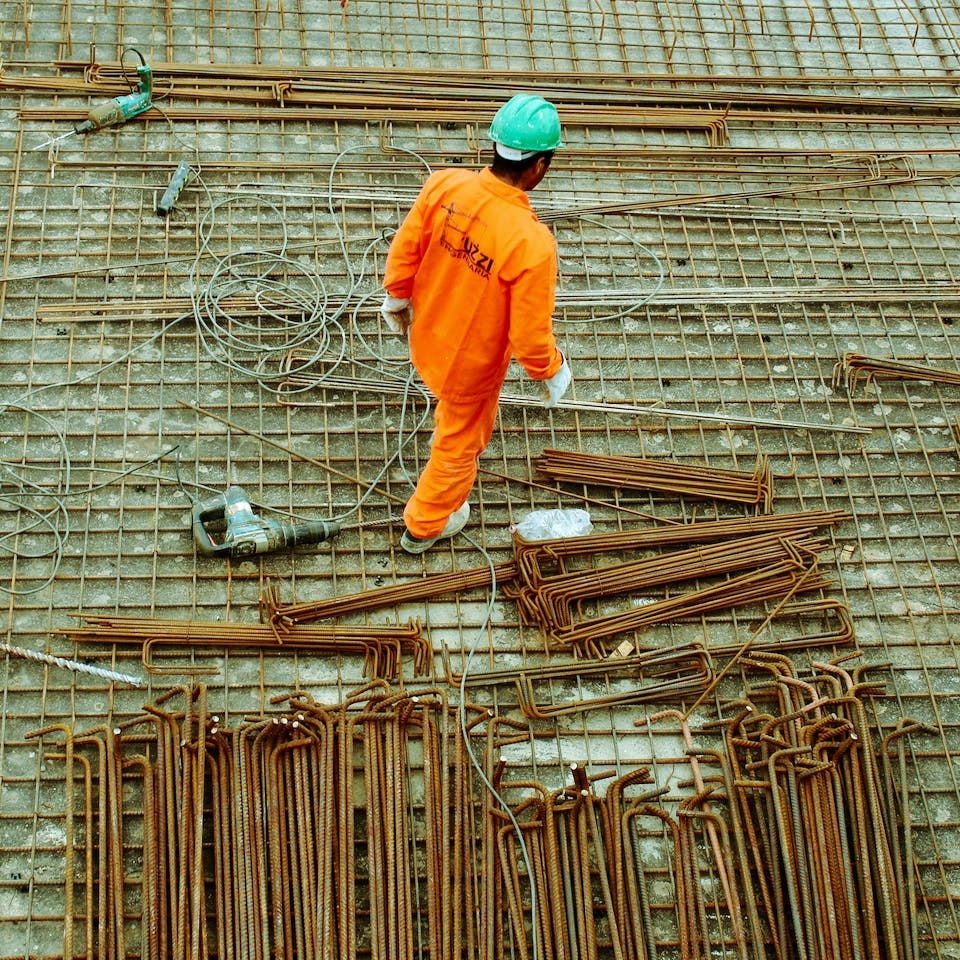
{"points": [[300, 456], [75, 665], [585, 406]]}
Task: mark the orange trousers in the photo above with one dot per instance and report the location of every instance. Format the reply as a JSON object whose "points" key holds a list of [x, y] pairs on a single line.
{"points": [[462, 431]]}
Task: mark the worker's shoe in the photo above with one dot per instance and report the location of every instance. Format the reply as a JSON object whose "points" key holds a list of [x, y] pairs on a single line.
{"points": [[455, 523]]}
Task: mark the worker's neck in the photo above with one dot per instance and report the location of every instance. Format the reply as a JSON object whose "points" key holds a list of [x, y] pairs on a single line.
{"points": [[526, 180], [512, 181]]}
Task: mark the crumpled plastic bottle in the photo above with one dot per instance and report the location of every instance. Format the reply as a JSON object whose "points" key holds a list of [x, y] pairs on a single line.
{"points": [[553, 524]]}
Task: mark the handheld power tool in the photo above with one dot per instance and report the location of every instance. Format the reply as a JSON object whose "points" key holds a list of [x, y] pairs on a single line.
{"points": [[117, 110], [181, 177], [246, 533]]}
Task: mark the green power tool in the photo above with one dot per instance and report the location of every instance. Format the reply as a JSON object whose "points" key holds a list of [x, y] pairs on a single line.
{"points": [[246, 533], [117, 110]]}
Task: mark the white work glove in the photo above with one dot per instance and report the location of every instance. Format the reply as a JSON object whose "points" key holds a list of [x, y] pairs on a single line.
{"points": [[397, 312], [556, 386]]}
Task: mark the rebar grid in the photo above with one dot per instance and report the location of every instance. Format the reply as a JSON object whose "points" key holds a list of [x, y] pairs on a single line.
{"points": [[746, 38]]}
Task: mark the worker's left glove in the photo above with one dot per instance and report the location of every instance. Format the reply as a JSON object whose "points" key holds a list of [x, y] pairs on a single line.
{"points": [[397, 312], [556, 386]]}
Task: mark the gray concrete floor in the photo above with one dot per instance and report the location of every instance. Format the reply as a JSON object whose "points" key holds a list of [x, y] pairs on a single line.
{"points": [[799, 239]]}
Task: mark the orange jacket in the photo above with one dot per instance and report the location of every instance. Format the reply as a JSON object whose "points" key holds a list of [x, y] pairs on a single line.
{"points": [[480, 270]]}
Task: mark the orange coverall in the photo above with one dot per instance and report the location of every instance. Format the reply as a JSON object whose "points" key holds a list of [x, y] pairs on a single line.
{"points": [[480, 270]]}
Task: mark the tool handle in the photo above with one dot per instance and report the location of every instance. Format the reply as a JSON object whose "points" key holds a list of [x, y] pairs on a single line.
{"points": [[213, 508], [207, 546], [119, 109], [145, 74], [177, 182]]}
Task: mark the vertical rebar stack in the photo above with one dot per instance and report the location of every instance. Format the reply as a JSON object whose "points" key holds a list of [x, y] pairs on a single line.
{"points": [[783, 842], [318, 832]]}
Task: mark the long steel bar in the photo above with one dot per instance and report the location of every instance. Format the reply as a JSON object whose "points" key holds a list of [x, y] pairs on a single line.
{"points": [[474, 79], [554, 602], [842, 635], [284, 616], [764, 583], [441, 91], [172, 307], [673, 678], [586, 406], [532, 555]]}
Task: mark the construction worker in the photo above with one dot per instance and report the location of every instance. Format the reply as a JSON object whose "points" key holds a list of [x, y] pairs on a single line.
{"points": [[470, 279]]}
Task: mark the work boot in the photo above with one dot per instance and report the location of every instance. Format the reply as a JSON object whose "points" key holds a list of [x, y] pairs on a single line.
{"points": [[455, 523]]}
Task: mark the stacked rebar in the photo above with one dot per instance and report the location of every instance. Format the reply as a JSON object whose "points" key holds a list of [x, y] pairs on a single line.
{"points": [[381, 647], [557, 601], [358, 830], [730, 563], [772, 582], [283, 617], [699, 481], [539, 560], [783, 843], [855, 367], [538, 570], [331, 832], [803, 785]]}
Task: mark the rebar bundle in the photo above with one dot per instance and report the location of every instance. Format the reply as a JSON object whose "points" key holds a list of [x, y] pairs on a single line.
{"points": [[438, 96], [556, 601], [332, 832], [639, 473], [357, 830], [771, 582], [284, 617], [381, 647], [806, 797], [538, 560], [764, 559], [856, 367], [539, 565], [781, 844]]}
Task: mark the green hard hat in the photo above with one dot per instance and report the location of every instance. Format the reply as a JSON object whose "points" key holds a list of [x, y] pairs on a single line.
{"points": [[524, 125]]}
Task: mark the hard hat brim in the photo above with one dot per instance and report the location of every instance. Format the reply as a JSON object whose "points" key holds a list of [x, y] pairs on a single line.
{"points": [[513, 153]]}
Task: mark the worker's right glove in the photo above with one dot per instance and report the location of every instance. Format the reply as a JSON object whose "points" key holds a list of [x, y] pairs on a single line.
{"points": [[397, 312], [556, 386]]}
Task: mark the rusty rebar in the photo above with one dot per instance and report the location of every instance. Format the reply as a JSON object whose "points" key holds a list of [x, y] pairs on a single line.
{"points": [[699, 481], [380, 646], [856, 367]]}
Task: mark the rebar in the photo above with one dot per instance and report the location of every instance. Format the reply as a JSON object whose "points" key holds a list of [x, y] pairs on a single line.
{"points": [[381, 647], [686, 480], [770, 582], [67, 664], [856, 367], [284, 616], [292, 386], [311, 831], [258, 823]]}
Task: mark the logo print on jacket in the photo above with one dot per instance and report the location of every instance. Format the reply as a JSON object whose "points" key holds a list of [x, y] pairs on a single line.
{"points": [[455, 239]]}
